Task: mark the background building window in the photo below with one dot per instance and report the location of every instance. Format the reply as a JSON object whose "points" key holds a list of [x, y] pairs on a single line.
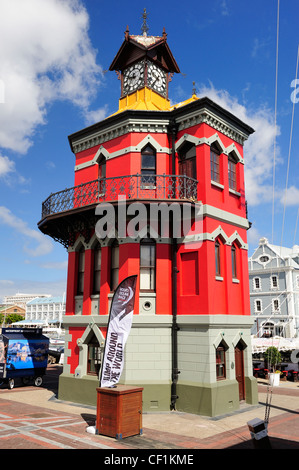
{"points": [[267, 330], [220, 362], [114, 266], [97, 269], [274, 282], [215, 165], [147, 265], [275, 306], [81, 263], [257, 306], [256, 283]]}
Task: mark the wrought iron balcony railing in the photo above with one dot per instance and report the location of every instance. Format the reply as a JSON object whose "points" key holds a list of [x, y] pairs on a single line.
{"points": [[132, 187]]}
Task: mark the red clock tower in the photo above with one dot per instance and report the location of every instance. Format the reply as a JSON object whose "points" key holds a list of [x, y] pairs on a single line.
{"points": [[189, 346]]}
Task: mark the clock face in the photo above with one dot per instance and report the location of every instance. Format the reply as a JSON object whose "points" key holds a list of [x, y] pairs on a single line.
{"points": [[133, 78], [156, 78]]}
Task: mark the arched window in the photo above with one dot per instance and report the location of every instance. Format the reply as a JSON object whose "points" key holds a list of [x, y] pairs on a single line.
{"points": [[215, 164], [80, 272], [220, 362], [114, 266], [102, 167], [218, 257], [187, 160], [267, 329], [96, 269], [234, 262], [147, 265], [232, 172], [148, 166], [93, 356], [102, 174]]}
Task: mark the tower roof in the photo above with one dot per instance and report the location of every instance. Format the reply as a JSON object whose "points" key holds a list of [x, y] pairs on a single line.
{"points": [[137, 47]]}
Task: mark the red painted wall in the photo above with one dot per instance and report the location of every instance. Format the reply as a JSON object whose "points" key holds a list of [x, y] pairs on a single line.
{"points": [[198, 293]]}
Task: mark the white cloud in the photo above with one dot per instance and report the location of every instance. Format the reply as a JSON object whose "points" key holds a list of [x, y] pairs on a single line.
{"points": [[44, 245], [253, 236], [47, 56], [30, 286], [6, 282], [95, 116], [290, 197], [258, 149], [56, 265], [6, 166], [224, 8], [258, 46]]}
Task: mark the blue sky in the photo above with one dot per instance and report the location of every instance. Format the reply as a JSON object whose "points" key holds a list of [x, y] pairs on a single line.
{"points": [[53, 82]]}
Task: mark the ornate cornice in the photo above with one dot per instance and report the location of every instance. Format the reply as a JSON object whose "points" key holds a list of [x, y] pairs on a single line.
{"points": [[128, 126], [197, 112]]}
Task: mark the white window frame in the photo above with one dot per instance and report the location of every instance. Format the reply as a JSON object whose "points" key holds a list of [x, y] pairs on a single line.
{"points": [[255, 306], [277, 281], [262, 262], [254, 285], [274, 310]]}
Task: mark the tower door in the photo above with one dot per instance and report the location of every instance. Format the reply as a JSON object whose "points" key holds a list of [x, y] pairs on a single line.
{"points": [[239, 363]]}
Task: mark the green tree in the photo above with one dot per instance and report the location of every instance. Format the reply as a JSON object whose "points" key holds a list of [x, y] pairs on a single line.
{"points": [[13, 317], [272, 356]]}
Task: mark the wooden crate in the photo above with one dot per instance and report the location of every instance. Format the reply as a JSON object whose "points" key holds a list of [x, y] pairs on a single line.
{"points": [[119, 411]]}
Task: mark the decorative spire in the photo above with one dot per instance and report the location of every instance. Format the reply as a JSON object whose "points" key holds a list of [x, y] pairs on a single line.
{"points": [[144, 27], [127, 33], [193, 89], [164, 34]]}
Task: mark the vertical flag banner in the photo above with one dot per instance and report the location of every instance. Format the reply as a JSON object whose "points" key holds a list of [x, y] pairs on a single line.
{"points": [[119, 326]]}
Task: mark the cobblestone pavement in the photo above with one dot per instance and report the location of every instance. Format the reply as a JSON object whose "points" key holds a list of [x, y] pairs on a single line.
{"points": [[32, 418]]}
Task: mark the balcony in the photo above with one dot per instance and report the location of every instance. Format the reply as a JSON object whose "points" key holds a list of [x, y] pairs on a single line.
{"points": [[145, 187]]}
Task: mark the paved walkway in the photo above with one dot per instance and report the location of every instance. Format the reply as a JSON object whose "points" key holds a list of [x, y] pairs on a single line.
{"points": [[32, 418]]}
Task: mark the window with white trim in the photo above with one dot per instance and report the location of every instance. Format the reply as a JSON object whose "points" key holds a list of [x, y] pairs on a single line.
{"points": [[257, 285], [215, 164], [275, 306], [274, 282], [147, 265], [80, 271], [258, 306], [232, 173]]}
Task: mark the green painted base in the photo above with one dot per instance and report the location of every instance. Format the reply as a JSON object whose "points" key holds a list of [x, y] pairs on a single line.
{"points": [[214, 399], [78, 390], [202, 399]]}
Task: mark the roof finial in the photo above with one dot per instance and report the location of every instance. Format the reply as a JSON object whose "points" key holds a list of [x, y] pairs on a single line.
{"points": [[144, 27], [193, 89]]}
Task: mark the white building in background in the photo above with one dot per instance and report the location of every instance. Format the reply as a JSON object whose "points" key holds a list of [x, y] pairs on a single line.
{"points": [[47, 310], [274, 290], [22, 299]]}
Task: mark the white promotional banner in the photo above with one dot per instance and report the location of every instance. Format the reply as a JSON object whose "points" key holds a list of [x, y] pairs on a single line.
{"points": [[119, 326]]}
